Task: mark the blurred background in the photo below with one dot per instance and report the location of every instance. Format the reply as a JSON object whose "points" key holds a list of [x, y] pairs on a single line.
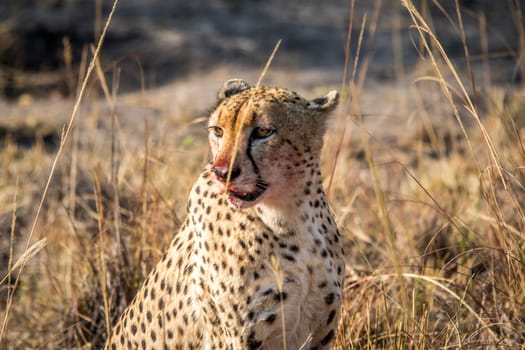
{"points": [[449, 172], [159, 42]]}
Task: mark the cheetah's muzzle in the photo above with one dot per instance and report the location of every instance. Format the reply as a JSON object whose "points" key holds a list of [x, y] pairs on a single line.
{"points": [[260, 188]]}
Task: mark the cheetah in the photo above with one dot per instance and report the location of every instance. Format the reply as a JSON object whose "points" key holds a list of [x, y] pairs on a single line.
{"points": [[258, 262]]}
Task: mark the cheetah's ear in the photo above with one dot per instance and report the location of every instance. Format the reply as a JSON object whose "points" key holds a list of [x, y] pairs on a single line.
{"points": [[232, 87], [325, 103]]}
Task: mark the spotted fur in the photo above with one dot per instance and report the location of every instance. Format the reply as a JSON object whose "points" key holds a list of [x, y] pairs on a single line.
{"points": [[259, 248]]}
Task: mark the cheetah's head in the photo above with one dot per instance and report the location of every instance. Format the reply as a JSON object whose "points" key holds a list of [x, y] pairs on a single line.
{"points": [[265, 142]]}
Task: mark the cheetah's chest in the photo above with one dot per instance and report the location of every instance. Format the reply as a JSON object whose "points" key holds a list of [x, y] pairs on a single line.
{"points": [[245, 275]]}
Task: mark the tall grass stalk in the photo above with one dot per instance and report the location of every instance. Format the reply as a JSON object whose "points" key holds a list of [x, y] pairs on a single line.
{"points": [[65, 136]]}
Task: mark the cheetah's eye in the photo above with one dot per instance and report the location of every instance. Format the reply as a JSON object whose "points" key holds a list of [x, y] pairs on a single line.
{"points": [[217, 131], [261, 133]]}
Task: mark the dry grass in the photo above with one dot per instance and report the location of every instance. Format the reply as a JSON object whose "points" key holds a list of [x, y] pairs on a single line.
{"points": [[434, 220]]}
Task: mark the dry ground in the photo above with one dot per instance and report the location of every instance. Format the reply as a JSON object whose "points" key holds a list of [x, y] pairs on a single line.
{"points": [[424, 171]]}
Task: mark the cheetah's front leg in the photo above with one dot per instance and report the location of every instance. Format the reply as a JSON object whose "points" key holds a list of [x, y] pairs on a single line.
{"points": [[274, 313]]}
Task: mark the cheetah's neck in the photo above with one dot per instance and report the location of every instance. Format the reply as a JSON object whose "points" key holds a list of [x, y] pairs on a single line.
{"points": [[296, 211]]}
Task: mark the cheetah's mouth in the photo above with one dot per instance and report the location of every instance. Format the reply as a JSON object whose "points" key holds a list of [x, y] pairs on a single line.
{"points": [[260, 188]]}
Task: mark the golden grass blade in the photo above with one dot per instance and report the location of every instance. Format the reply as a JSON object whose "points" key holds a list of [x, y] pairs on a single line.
{"points": [[240, 121], [12, 240], [278, 274], [102, 79], [28, 254], [268, 62], [72, 119], [381, 200], [341, 123], [436, 281], [359, 46], [467, 52], [102, 262], [30, 251], [423, 28]]}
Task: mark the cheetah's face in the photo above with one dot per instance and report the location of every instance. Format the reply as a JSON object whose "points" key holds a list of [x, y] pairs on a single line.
{"points": [[264, 140]]}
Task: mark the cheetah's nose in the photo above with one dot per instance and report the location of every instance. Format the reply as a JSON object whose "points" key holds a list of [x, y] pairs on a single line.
{"points": [[222, 172]]}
